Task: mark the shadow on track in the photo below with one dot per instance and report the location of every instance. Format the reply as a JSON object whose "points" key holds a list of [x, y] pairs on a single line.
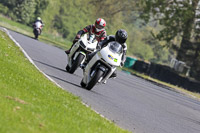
{"points": [[49, 65], [64, 80]]}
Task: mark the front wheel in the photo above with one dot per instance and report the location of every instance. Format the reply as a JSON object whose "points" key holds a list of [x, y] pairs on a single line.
{"points": [[94, 79], [36, 33], [76, 63], [83, 84], [67, 68]]}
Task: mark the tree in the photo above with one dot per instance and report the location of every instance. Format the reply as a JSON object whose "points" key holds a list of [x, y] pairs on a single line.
{"points": [[41, 5], [179, 20], [11, 3], [25, 11], [178, 17], [114, 12]]}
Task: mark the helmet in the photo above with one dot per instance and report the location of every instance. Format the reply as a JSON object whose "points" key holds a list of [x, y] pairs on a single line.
{"points": [[38, 18], [121, 36], [100, 24]]}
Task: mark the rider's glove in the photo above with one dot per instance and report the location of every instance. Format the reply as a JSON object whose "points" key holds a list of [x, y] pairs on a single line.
{"points": [[78, 37], [98, 47]]}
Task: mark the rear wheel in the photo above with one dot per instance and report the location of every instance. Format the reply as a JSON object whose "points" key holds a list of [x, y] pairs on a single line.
{"points": [[94, 79], [36, 34], [76, 63]]}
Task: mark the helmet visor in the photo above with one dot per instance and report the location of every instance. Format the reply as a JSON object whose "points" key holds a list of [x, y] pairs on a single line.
{"points": [[99, 26]]}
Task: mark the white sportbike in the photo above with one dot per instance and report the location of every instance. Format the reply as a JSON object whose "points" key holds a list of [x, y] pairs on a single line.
{"points": [[102, 65], [78, 53], [37, 29]]}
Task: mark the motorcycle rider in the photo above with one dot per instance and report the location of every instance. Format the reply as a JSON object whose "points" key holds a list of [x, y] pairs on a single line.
{"points": [[98, 29], [121, 37], [38, 19]]}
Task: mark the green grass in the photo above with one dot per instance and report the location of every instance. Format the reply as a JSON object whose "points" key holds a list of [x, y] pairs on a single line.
{"points": [[50, 38], [181, 90], [30, 103]]}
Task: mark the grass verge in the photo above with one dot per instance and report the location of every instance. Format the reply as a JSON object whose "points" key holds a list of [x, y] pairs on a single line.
{"points": [[65, 44], [181, 90], [30, 103], [46, 37]]}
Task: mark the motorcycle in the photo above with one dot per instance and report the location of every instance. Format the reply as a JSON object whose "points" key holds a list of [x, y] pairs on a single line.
{"points": [[102, 65], [37, 29], [78, 54]]}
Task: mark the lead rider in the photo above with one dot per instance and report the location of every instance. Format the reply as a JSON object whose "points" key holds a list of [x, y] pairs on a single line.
{"points": [[121, 37], [98, 29]]}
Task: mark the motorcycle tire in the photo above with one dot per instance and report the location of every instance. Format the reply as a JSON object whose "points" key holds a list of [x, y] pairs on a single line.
{"points": [[83, 84], [94, 79], [67, 68], [36, 34], [76, 63]]}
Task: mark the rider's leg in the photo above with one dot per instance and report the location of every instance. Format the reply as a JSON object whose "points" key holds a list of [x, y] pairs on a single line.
{"points": [[68, 51], [89, 57]]}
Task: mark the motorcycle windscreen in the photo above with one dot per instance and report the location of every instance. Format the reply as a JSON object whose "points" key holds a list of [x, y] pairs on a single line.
{"points": [[112, 53], [115, 47], [87, 44]]}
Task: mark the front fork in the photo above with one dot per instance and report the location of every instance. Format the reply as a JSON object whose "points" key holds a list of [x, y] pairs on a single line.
{"points": [[74, 56], [91, 73], [80, 52]]}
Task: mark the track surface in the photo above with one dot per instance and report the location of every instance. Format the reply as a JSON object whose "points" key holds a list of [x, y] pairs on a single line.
{"points": [[132, 103]]}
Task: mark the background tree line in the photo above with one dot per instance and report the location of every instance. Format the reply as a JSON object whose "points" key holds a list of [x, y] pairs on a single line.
{"points": [[180, 20], [157, 29], [66, 17]]}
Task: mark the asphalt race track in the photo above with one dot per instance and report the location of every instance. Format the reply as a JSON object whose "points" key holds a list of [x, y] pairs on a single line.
{"points": [[131, 102]]}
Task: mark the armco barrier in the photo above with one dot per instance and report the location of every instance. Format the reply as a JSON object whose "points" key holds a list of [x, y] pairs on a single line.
{"points": [[166, 74], [141, 66], [129, 62]]}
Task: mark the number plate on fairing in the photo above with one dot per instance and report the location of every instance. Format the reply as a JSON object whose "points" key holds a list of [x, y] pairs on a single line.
{"points": [[112, 58]]}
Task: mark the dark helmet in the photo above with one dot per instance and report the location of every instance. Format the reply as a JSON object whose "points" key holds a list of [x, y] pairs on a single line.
{"points": [[121, 36]]}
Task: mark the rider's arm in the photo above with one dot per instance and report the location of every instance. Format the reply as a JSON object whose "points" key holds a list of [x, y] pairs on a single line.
{"points": [[103, 36], [85, 30], [106, 41], [41, 21], [124, 53], [80, 33], [103, 43]]}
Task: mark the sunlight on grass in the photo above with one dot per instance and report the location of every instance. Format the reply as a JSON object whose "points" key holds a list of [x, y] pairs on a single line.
{"points": [[46, 37], [30, 103]]}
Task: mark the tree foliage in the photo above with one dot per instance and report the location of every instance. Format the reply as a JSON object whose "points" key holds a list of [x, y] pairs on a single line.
{"points": [[67, 17], [180, 19], [24, 11], [68, 21]]}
